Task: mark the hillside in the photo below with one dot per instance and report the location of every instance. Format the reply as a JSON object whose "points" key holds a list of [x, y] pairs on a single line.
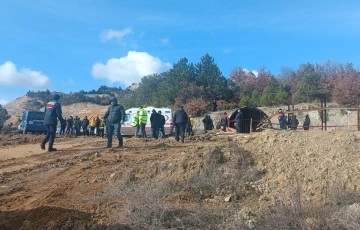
{"points": [[18, 106]]}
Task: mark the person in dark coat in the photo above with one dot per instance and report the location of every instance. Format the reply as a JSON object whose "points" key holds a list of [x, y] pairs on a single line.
{"points": [[294, 122], [69, 125], [77, 125], [115, 116], [288, 123], [214, 105], [208, 123], [238, 121], [180, 120], [155, 124], [84, 125], [97, 126], [63, 127], [162, 124], [306, 123], [52, 113]]}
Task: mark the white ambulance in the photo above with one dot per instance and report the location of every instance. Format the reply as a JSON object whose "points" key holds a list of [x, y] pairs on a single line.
{"points": [[128, 130]]}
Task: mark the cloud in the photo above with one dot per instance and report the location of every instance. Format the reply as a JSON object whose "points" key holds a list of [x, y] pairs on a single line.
{"points": [[10, 75], [256, 73], [3, 102], [71, 82], [165, 42], [118, 35], [130, 68]]}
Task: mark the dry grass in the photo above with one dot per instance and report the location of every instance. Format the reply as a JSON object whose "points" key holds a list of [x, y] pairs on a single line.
{"points": [[341, 211], [155, 202]]}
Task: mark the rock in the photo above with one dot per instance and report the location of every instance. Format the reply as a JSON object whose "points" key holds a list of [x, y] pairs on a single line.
{"points": [[228, 198]]}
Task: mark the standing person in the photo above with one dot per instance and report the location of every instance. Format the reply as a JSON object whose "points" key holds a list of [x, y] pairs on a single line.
{"points": [[52, 113], [97, 126], [306, 124], [142, 121], [85, 124], [135, 123], [162, 124], [208, 123], [189, 126], [214, 105], [238, 121], [63, 127], [77, 125], [281, 119], [224, 122], [92, 123], [287, 123], [155, 124], [294, 122], [69, 125], [102, 129], [115, 116], [180, 120]]}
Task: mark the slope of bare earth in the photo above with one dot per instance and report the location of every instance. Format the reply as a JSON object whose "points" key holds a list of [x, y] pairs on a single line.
{"points": [[208, 182]]}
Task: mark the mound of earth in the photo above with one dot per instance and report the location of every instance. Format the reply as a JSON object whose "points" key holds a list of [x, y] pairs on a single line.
{"points": [[209, 182]]}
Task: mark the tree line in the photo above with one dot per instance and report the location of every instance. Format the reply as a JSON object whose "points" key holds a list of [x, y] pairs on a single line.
{"points": [[76, 97], [196, 85]]}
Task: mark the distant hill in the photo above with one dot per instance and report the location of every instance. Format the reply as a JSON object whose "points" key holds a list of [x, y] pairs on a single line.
{"points": [[18, 106]]}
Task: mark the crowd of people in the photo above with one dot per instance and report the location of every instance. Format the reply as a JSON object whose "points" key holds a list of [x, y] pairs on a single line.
{"points": [[182, 123], [93, 126], [114, 117]]}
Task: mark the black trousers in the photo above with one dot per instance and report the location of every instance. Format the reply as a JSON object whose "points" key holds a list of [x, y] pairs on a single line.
{"points": [[62, 129], [179, 132], [50, 135], [162, 130], [85, 131]]}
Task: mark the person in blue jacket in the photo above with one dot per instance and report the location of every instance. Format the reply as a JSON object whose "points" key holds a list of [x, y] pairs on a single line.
{"points": [[52, 113]]}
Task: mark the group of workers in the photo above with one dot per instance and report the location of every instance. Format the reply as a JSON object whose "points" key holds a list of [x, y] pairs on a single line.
{"points": [[93, 126], [291, 122]]}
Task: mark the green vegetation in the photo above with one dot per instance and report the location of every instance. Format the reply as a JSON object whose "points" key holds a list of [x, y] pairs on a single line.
{"points": [[195, 86]]}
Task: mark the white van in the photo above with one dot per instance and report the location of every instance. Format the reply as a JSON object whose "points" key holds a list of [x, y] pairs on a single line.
{"points": [[128, 130]]}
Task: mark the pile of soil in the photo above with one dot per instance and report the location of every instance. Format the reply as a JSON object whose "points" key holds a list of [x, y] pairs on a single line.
{"points": [[315, 161]]}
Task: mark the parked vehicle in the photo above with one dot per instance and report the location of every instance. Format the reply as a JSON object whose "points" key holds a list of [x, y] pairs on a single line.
{"points": [[128, 130], [32, 122]]}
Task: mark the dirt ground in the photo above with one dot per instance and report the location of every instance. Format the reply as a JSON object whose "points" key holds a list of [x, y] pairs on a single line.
{"points": [[210, 181]]}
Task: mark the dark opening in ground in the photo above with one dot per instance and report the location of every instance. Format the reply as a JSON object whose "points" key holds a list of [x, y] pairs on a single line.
{"points": [[249, 113]]}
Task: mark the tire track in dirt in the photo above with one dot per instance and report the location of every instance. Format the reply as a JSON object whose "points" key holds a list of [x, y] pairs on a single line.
{"points": [[33, 158]]}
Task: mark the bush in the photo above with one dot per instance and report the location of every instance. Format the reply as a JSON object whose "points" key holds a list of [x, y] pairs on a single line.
{"points": [[225, 105], [197, 106]]}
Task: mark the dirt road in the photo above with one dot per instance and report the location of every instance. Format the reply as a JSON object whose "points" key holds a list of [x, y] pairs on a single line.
{"points": [[42, 190]]}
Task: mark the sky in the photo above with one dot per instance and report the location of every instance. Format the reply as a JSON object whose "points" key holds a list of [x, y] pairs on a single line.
{"points": [[73, 45]]}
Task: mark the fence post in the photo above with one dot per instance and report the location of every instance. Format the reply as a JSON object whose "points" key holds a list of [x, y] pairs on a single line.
{"points": [[251, 125]]}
